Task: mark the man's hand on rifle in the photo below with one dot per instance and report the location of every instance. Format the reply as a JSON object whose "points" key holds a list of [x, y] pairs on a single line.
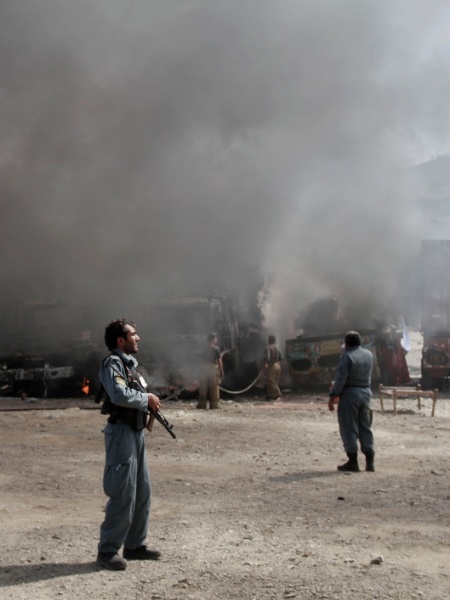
{"points": [[154, 404]]}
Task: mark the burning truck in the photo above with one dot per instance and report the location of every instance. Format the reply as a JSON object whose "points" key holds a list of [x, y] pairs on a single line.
{"points": [[46, 349], [176, 330], [313, 356], [53, 349]]}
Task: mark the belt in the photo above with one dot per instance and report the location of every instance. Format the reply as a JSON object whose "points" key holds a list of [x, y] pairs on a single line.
{"points": [[357, 386]]}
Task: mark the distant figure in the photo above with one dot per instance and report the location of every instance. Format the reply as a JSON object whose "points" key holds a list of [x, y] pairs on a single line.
{"points": [[126, 477], [351, 391], [272, 367], [211, 371]]}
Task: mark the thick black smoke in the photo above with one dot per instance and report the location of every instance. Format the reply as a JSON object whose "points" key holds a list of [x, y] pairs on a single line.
{"points": [[160, 147]]}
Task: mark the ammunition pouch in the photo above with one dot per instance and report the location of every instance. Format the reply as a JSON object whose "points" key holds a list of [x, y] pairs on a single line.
{"points": [[133, 417]]}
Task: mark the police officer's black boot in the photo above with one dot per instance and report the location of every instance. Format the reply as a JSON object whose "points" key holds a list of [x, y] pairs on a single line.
{"points": [[370, 458], [351, 464]]}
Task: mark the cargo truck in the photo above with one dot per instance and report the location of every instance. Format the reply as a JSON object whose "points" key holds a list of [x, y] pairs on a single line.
{"points": [[175, 330], [312, 357], [435, 313], [46, 349], [52, 349]]}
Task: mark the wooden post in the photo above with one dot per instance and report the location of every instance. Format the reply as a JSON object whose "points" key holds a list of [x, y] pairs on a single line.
{"points": [[418, 388], [380, 389], [434, 402]]}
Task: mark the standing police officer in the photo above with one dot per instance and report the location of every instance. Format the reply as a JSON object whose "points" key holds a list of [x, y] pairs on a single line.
{"points": [[126, 477], [351, 391]]}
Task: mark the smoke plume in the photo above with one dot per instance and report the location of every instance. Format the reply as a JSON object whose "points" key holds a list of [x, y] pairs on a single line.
{"points": [[165, 147]]}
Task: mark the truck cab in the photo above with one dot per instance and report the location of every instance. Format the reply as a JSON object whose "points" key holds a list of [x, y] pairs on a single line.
{"points": [[175, 331]]}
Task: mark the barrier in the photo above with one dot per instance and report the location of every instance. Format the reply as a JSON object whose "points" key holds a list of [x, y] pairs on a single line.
{"points": [[405, 392]]}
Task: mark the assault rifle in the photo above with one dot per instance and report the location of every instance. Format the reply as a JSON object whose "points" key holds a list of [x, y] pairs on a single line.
{"points": [[137, 382], [108, 408], [161, 419]]}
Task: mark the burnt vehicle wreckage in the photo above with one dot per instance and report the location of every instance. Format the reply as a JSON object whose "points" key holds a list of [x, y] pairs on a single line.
{"points": [[178, 328], [46, 350], [313, 355], [52, 349]]}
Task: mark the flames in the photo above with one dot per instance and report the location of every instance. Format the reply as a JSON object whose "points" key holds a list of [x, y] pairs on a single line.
{"points": [[85, 388]]}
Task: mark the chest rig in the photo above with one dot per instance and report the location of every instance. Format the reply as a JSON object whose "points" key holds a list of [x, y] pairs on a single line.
{"points": [[136, 419]]}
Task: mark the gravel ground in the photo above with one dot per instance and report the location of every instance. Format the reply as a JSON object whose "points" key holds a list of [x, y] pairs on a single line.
{"points": [[247, 503]]}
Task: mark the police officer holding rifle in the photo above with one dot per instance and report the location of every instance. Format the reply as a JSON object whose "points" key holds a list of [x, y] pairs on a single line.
{"points": [[126, 479]]}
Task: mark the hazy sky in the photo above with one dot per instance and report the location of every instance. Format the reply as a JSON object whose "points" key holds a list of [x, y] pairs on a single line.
{"points": [[151, 147]]}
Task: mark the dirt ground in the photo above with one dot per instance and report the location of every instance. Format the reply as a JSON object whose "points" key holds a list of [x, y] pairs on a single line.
{"points": [[247, 503]]}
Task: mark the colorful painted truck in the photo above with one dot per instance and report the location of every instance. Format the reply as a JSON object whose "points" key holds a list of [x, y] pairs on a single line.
{"points": [[312, 358]]}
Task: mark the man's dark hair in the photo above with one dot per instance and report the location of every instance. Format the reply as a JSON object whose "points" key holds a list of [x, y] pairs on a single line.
{"points": [[116, 329], [211, 336], [271, 339], [352, 339]]}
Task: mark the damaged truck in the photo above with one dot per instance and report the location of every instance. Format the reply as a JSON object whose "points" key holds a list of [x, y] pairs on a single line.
{"points": [[46, 350], [176, 330], [313, 355], [435, 319], [52, 349]]}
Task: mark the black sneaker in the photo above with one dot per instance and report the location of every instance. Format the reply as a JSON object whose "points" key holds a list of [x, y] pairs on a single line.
{"points": [[141, 553], [111, 561]]}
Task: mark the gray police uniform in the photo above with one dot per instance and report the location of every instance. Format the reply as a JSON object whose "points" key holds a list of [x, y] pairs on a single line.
{"points": [[352, 385], [126, 479]]}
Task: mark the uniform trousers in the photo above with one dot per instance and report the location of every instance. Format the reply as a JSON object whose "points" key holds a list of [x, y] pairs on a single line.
{"points": [[355, 419], [273, 379], [209, 385], [126, 481]]}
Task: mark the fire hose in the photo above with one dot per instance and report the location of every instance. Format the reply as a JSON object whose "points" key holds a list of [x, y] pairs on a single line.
{"points": [[178, 392], [245, 389]]}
